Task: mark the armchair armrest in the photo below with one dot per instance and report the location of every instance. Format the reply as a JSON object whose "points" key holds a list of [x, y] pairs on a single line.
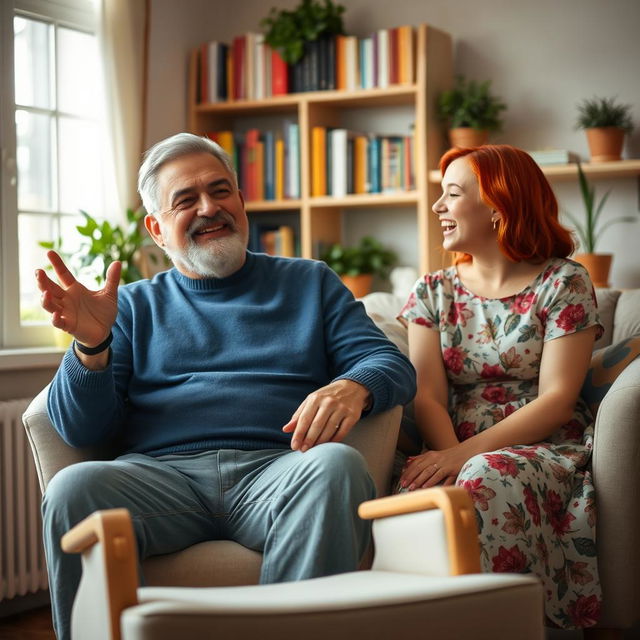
{"points": [[616, 476], [109, 573], [50, 452], [417, 532]]}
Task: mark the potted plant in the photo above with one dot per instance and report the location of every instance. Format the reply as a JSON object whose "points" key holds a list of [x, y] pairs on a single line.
{"points": [[470, 111], [288, 31], [589, 232], [102, 243], [606, 122], [357, 265]]}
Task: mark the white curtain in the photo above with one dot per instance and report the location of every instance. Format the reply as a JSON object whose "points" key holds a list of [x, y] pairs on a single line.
{"points": [[122, 42]]}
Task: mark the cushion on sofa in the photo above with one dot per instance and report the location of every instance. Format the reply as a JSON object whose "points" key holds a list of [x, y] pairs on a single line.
{"points": [[607, 300], [606, 366], [627, 318]]}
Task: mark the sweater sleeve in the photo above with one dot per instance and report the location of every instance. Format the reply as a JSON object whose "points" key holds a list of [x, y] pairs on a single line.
{"points": [[359, 351], [87, 407]]}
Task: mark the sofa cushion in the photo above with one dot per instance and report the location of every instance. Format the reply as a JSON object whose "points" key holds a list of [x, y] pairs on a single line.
{"points": [[627, 315], [606, 366], [607, 300]]}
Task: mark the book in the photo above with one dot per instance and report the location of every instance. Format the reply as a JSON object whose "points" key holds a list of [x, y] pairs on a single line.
{"points": [[339, 165], [382, 71], [292, 159], [319, 161], [269, 165], [360, 178], [279, 75], [279, 168], [341, 62], [351, 63]]}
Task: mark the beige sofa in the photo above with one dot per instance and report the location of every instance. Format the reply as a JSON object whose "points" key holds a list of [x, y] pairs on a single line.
{"points": [[616, 455]]}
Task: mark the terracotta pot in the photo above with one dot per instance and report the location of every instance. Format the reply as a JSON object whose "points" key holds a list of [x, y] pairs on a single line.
{"points": [[468, 137], [598, 265], [358, 285], [605, 143]]}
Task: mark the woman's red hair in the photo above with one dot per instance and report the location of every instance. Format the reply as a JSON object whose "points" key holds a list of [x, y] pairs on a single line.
{"points": [[512, 183]]}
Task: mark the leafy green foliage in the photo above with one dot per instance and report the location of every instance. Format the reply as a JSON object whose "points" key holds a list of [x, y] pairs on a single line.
{"points": [[588, 230], [604, 112], [368, 257], [471, 104], [106, 243], [287, 31]]}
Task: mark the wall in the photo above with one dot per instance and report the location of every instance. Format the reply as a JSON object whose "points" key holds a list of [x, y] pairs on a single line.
{"points": [[542, 57]]}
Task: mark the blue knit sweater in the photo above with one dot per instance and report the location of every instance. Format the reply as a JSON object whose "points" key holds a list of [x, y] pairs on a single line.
{"points": [[224, 363]]}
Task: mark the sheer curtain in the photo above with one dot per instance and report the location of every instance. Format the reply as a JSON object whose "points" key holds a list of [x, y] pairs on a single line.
{"points": [[122, 38]]}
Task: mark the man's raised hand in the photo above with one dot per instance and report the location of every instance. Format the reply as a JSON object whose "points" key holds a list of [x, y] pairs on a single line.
{"points": [[87, 315]]}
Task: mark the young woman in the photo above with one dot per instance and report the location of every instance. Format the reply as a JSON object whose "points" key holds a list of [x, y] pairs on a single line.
{"points": [[501, 342]]}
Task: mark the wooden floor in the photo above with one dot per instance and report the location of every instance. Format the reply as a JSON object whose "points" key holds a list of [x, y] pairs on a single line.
{"points": [[30, 625]]}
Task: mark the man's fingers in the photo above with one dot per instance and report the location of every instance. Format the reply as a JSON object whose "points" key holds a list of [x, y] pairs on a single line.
{"points": [[45, 283], [64, 275], [112, 278]]}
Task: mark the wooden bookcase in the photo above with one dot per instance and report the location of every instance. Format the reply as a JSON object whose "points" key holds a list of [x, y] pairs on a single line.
{"points": [[320, 218]]}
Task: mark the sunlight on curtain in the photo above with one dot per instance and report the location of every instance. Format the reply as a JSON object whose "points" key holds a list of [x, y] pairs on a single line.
{"points": [[122, 43]]}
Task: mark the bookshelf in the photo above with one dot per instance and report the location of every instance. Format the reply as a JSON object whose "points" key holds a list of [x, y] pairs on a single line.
{"points": [[320, 218]]}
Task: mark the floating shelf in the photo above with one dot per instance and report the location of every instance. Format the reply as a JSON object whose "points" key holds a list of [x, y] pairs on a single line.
{"points": [[619, 169]]}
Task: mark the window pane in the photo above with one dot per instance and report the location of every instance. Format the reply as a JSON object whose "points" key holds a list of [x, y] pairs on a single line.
{"points": [[33, 78], [34, 155], [80, 167], [78, 86], [33, 228]]}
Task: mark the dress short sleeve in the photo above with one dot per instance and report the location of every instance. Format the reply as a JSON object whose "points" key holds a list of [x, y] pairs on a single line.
{"points": [[568, 301], [422, 305]]}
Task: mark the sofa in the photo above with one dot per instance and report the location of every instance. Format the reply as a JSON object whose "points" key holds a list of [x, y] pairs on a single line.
{"points": [[616, 454]]}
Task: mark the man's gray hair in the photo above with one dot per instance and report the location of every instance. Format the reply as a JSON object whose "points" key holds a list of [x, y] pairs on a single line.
{"points": [[180, 144]]}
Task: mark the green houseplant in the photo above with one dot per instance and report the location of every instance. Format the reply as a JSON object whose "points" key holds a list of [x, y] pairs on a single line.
{"points": [[288, 31], [605, 122], [590, 231], [358, 264], [103, 243], [470, 109]]}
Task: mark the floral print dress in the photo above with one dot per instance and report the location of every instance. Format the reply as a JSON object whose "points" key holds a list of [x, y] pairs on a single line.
{"points": [[534, 503]]}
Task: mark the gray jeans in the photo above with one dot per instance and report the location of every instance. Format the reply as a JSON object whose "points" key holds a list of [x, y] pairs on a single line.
{"points": [[299, 509]]}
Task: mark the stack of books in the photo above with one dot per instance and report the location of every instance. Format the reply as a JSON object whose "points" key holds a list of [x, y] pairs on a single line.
{"points": [[546, 157]]}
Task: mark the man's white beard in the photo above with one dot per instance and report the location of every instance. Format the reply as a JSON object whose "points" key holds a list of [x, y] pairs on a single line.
{"points": [[218, 258]]}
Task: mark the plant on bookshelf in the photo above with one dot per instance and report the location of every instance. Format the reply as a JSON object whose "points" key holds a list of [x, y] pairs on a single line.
{"points": [[589, 232], [470, 111], [289, 31], [606, 122], [357, 265]]}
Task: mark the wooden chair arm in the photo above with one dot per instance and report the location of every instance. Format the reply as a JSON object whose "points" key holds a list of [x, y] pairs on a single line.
{"points": [[459, 516], [109, 558]]}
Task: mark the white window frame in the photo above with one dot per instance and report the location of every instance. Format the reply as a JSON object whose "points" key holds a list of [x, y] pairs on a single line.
{"points": [[75, 14]]}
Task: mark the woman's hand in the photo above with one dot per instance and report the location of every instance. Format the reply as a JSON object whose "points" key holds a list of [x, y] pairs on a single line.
{"points": [[434, 467], [87, 315]]}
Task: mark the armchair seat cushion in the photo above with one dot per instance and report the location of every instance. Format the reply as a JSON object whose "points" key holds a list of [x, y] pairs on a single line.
{"points": [[365, 604]]}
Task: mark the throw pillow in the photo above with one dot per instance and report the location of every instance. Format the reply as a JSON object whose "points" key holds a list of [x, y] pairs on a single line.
{"points": [[606, 366]]}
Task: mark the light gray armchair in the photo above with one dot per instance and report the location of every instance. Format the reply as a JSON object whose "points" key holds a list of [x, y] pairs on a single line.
{"points": [[212, 563]]}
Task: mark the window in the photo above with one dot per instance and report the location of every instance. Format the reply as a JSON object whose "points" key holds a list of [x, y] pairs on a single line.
{"points": [[52, 133]]}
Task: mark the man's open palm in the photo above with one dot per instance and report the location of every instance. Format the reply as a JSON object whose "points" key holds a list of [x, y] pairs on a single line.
{"points": [[87, 315]]}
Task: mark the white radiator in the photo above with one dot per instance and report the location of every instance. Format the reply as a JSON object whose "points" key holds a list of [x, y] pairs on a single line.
{"points": [[22, 563]]}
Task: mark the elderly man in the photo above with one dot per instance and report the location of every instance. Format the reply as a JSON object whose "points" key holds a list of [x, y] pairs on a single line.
{"points": [[228, 383]]}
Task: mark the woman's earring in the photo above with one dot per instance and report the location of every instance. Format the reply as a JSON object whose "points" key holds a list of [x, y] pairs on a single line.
{"points": [[495, 225]]}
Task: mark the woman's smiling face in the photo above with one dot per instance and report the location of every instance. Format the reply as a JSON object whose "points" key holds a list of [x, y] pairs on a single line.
{"points": [[465, 219]]}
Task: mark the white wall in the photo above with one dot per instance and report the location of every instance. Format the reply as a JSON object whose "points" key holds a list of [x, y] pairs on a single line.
{"points": [[542, 56]]}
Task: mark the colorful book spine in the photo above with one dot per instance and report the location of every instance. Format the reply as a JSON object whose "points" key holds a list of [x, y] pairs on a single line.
{"points": [[318, 161]]}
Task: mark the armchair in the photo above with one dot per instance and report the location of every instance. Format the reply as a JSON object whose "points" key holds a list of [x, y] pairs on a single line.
{"points": [[216, 562], [425, 573]]}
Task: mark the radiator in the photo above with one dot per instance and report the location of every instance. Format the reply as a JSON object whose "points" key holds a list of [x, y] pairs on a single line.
{"points": [[22, 563]]}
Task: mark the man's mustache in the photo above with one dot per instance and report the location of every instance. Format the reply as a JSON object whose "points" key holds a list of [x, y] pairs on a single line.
{"points": [[221, 217]]}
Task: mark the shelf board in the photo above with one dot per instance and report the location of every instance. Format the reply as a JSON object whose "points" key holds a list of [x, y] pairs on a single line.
{"points": [[273, 205], [397, 198], [394, 95], [618, 169]]}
